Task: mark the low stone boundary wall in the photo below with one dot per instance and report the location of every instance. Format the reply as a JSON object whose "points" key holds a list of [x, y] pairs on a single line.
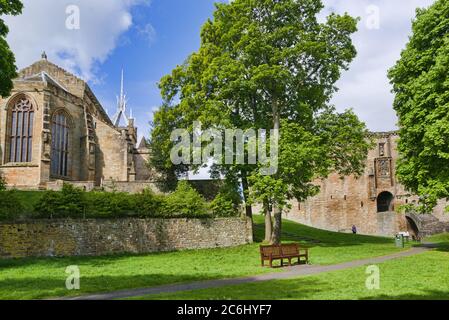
{"points": [[129, 187], [48, 238]]}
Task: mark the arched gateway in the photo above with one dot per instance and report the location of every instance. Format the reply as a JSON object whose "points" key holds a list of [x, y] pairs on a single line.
{"points": [[385, 202]]}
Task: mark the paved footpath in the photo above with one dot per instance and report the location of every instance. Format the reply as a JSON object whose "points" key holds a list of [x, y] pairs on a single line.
{"points": [[291, 272]]}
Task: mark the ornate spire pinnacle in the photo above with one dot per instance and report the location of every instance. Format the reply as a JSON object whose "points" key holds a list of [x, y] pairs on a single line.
{"points": [[121, 106], [44, 56]]}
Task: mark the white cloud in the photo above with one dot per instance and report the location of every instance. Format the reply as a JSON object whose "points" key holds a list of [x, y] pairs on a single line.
{"points": [[42, 26], [365, 87], [147, 32]]}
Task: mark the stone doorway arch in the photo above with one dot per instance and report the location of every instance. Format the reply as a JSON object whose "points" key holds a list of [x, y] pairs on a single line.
{"points": [[412, 227], [385, 202]]}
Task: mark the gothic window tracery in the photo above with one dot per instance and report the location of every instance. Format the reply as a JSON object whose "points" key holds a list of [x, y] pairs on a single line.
{"points": [[20, 132]]}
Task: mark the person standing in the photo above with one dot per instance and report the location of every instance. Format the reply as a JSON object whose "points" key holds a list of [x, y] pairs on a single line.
{"points": [[354, 229]]}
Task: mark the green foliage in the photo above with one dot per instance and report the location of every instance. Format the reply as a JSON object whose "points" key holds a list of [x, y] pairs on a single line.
{"points": [[7, 60], [109, 204], [228, 201], [69, 203], [76, 203], [149, 204], [223, 206], [185, 200], [73, 202], [11, 208], [338, 143], [2, 183], [421, 85], [261, 62]]}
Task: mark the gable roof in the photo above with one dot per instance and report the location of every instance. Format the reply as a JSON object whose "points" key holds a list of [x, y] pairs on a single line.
{"points": [[48, 72]]}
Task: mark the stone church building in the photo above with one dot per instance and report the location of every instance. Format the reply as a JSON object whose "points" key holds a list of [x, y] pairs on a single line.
{"points": [[369, 202], [54, 129]]}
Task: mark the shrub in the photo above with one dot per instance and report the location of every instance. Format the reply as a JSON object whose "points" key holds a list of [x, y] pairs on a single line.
{"points": [[226, 203], [149, 204], [185, 201], [109, 204], [11, 207], [2, 183], [69, 203], [222, 206]]}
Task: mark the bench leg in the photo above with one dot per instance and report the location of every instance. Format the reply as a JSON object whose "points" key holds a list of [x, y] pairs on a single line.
{"points": [[271, 263], [262, 262], [289, 262]]}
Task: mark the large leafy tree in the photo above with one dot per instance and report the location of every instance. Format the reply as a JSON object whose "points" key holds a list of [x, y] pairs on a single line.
{"points": [[269, 64], [7, 60], [421, 84]]}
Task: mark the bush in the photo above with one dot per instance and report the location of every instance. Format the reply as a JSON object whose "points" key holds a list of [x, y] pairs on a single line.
{"points": [[2, 183], [149, 204], [185, 201], [109, 204], [228, 200], [11, 207], [222, 206], [69, 203]]}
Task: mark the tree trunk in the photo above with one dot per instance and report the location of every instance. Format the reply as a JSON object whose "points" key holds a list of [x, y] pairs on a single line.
{"points": [[277, 228], [245, 187], [268, 223]]}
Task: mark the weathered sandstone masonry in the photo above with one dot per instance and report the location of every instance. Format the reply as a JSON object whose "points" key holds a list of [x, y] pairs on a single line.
{"points": [[48, 238], [371, 202]]}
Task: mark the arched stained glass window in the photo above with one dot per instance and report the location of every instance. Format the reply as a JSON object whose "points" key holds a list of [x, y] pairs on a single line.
{"points": [[60, 130], [20, 133]]}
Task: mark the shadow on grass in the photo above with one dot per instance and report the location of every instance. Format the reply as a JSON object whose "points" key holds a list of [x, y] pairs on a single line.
{"points": [[295, 289], [427, 295], [312, 237], [441, 246], [104, 260], [48, 287]]}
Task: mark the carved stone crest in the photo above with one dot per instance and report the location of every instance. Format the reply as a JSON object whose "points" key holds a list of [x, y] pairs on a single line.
{"points": [[383, 168]]}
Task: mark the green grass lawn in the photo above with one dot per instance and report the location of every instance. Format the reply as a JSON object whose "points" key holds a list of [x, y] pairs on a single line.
{"points": [[420, 277], [44, 278], [424, 276]]}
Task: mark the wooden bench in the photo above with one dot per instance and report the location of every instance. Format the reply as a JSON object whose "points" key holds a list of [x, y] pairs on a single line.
{"points": [[281, 252]]}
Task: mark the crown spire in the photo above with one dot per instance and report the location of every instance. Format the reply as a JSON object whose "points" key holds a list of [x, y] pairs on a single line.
{"points": [[121, 105]]}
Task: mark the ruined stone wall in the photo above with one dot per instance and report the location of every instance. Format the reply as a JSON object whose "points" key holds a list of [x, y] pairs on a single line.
{"points": [[440, 211], [48, 238], [343, 202], [129, 187]]}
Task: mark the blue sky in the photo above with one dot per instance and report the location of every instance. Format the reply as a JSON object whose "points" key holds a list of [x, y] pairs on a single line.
{"points": [[148, 38], [148, 57]]}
